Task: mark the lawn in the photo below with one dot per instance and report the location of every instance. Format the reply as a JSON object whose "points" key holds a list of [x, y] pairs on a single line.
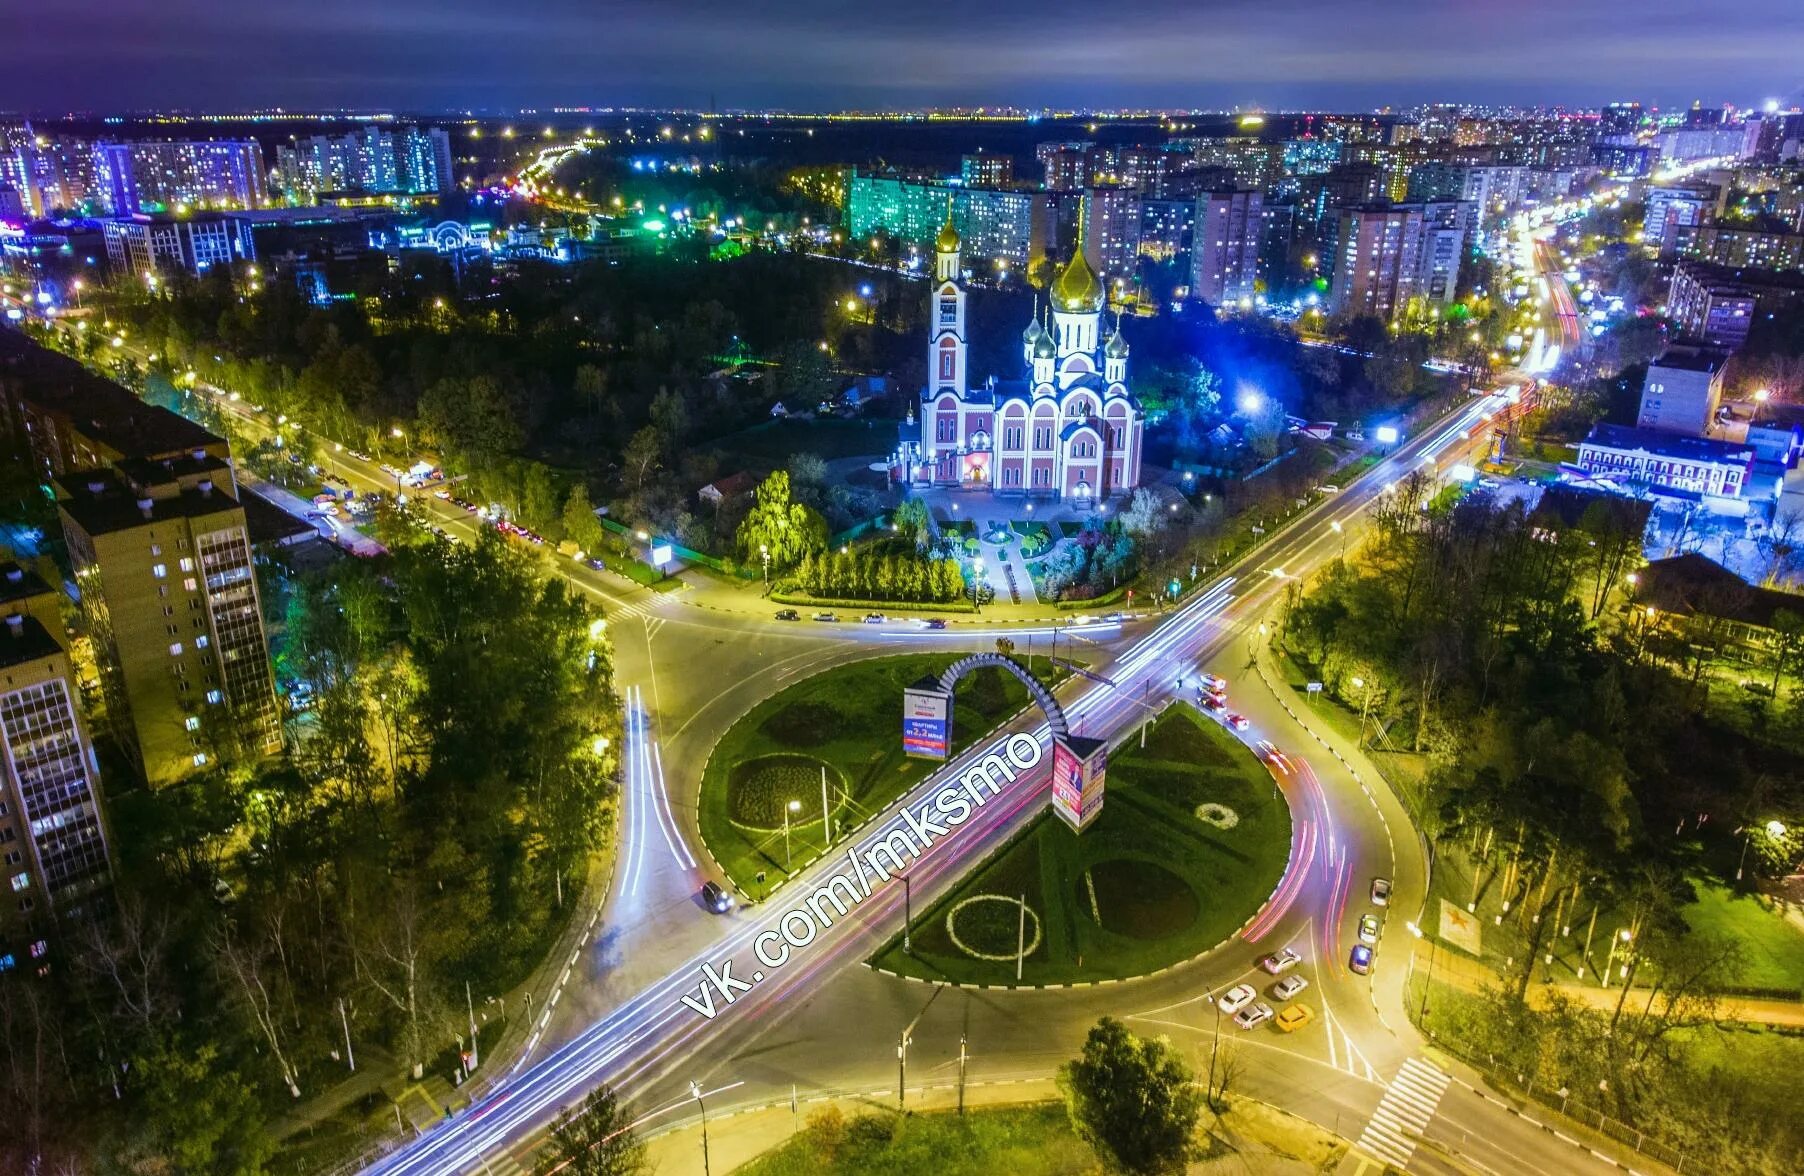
{"points": [[1773, 947], [1033, 1140], [848, 719], [771, 444], [1149, 883]]}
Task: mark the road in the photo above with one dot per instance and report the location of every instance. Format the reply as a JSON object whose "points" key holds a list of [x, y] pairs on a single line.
{"points": [[818, 1018], [825, 1022]]}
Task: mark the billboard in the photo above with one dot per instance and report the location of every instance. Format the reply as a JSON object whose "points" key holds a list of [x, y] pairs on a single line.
{"points": [[926, 723], [1078, 767]]}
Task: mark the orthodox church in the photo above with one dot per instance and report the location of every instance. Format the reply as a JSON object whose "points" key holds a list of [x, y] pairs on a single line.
{"points": [[1066, 428]]}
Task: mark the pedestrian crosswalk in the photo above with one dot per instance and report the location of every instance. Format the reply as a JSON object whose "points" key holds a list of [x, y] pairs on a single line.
{"points": [[1404, 1112]]}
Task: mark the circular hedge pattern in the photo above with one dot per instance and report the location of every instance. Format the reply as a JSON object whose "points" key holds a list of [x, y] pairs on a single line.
{"points": [[1139, 899], [759, 789], [988, 927], [1219, 815]]}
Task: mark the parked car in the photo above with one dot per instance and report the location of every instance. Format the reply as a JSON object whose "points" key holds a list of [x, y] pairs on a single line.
{"points": [[1294, 1018], [1239, 722], [1214, 702], [1253, 1015], [874, 618], [1361, 959], [1381, 892], [1369, 928], [715, 898], [829, 618], [788, 614], [1215, 684], [1280, 962], [1237, 998], [1289, 987], [441, 494]]}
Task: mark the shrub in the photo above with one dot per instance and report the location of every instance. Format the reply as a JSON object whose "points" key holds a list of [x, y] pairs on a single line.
{"points": [[759, 790]]}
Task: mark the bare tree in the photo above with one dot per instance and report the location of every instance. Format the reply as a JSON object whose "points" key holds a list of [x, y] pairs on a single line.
{"points": [[244, 966]]}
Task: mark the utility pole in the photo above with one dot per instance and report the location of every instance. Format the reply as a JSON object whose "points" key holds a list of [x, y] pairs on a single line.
{"points": [[902, 1068], [908, 907], [346, 1022], [1021, 939], [470, 1011], [695, 1089], [961, 1073], [1214, 1047], [826, 814]]}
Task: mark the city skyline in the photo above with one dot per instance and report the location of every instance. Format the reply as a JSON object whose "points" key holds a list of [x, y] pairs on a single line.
{"points": [[214, 56]]}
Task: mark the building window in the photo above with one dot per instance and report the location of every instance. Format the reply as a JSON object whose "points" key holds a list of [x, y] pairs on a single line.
{"points": [[187, 564], [175, 649], [200, 642], [192, 722], [155, 550], [215, 697], [158, 570], [38, 948], [200, 759], [948, 364], [189, 584], [21, 881]]}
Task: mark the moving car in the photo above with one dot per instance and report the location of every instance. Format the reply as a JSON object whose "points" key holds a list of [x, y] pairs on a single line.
{"points": [[1361, 959], [1215, 684], [829, 618], [1239, 722], [874, 618], [1369, 928], [1280, 962], [788, 614], [1236, 998], [1294, 1018], [1288, 987], [1269, 752], [937, 623], [1257, 1014], [716, 899], [1214, 702], [1381, 892]]}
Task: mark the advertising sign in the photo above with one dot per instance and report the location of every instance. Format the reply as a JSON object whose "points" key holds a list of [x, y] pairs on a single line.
{"points": [[1078, 767], [926, 723]]}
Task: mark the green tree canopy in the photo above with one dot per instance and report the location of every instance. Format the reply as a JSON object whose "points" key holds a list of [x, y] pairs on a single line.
{"points": [[1132, 1098], [788, 529]]}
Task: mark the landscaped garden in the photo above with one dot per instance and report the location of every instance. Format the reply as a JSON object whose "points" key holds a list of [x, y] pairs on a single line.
{"points": [[1192, 839], [848, 721]]}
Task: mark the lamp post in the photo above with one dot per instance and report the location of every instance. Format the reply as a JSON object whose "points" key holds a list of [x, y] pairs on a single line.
{"points": [[1422, 1013], [1214, 1047], [794, 806], [1342, 532], [695, 1090], [976, 583], [764, 555], [1365, 708]]}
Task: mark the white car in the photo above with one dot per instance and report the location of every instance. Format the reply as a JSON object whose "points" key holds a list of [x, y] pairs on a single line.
{"points": [[1236, 998], [1257, 1014], [1281, 962], [1288, 987], [1381, 892]]}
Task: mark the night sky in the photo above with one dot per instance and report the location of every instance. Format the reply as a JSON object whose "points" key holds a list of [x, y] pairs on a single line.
{"points": [[452, 54]]}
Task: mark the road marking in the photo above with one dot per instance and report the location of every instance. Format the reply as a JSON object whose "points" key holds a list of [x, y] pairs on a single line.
{"points": [[1404, 1112]]}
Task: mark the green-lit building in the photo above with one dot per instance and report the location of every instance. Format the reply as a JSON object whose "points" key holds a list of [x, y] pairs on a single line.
{"points": [[995, 224]]}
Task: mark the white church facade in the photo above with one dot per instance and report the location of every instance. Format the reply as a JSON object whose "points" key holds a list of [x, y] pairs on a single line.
{"points": [[1067, 428]]}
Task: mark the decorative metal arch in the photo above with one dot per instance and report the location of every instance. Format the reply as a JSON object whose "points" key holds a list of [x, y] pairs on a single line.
{"points": [[1055, 714]]}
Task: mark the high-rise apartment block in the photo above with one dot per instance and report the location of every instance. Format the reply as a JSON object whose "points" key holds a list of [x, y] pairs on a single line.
{"points": [[985, 169], [179, 175], [1376, 259], [1224, 251], [412, 160], [158, 542], [53, 838]]}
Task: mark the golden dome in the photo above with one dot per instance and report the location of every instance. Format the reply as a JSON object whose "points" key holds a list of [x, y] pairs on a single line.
{"points": [[947, 241], [1076, 290]]}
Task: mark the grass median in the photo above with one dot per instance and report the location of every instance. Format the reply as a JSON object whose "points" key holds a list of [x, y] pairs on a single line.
{"points": [[1191, 840], [846, 721]]}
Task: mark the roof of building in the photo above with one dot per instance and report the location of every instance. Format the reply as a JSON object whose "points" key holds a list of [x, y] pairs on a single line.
{"points": [[100, 502], [266, 522], [1567, 506], [1691, 359], [1712, 275], [103, 410], [18, 582], [1692, 583], [1668, 444], [1076, 290], [24, 639], [739, 483]]}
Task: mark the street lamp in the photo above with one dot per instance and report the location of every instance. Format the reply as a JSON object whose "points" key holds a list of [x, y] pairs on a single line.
{"points": [[976, 583], [794, 806], [764, 554], [695, 1092], [1342, 532]]}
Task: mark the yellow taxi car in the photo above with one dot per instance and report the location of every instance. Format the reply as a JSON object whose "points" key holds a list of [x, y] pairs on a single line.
{"points": [[1293, 1017]]}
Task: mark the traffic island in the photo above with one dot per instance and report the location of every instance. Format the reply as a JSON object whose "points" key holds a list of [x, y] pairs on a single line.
{"points": [[1160, 876], [830, 743]]}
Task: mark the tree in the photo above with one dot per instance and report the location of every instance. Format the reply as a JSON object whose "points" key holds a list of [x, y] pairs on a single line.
{"points": [[787, 529], [581, 526], [594, 1139], [1132, 1098], [911, 521]]}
